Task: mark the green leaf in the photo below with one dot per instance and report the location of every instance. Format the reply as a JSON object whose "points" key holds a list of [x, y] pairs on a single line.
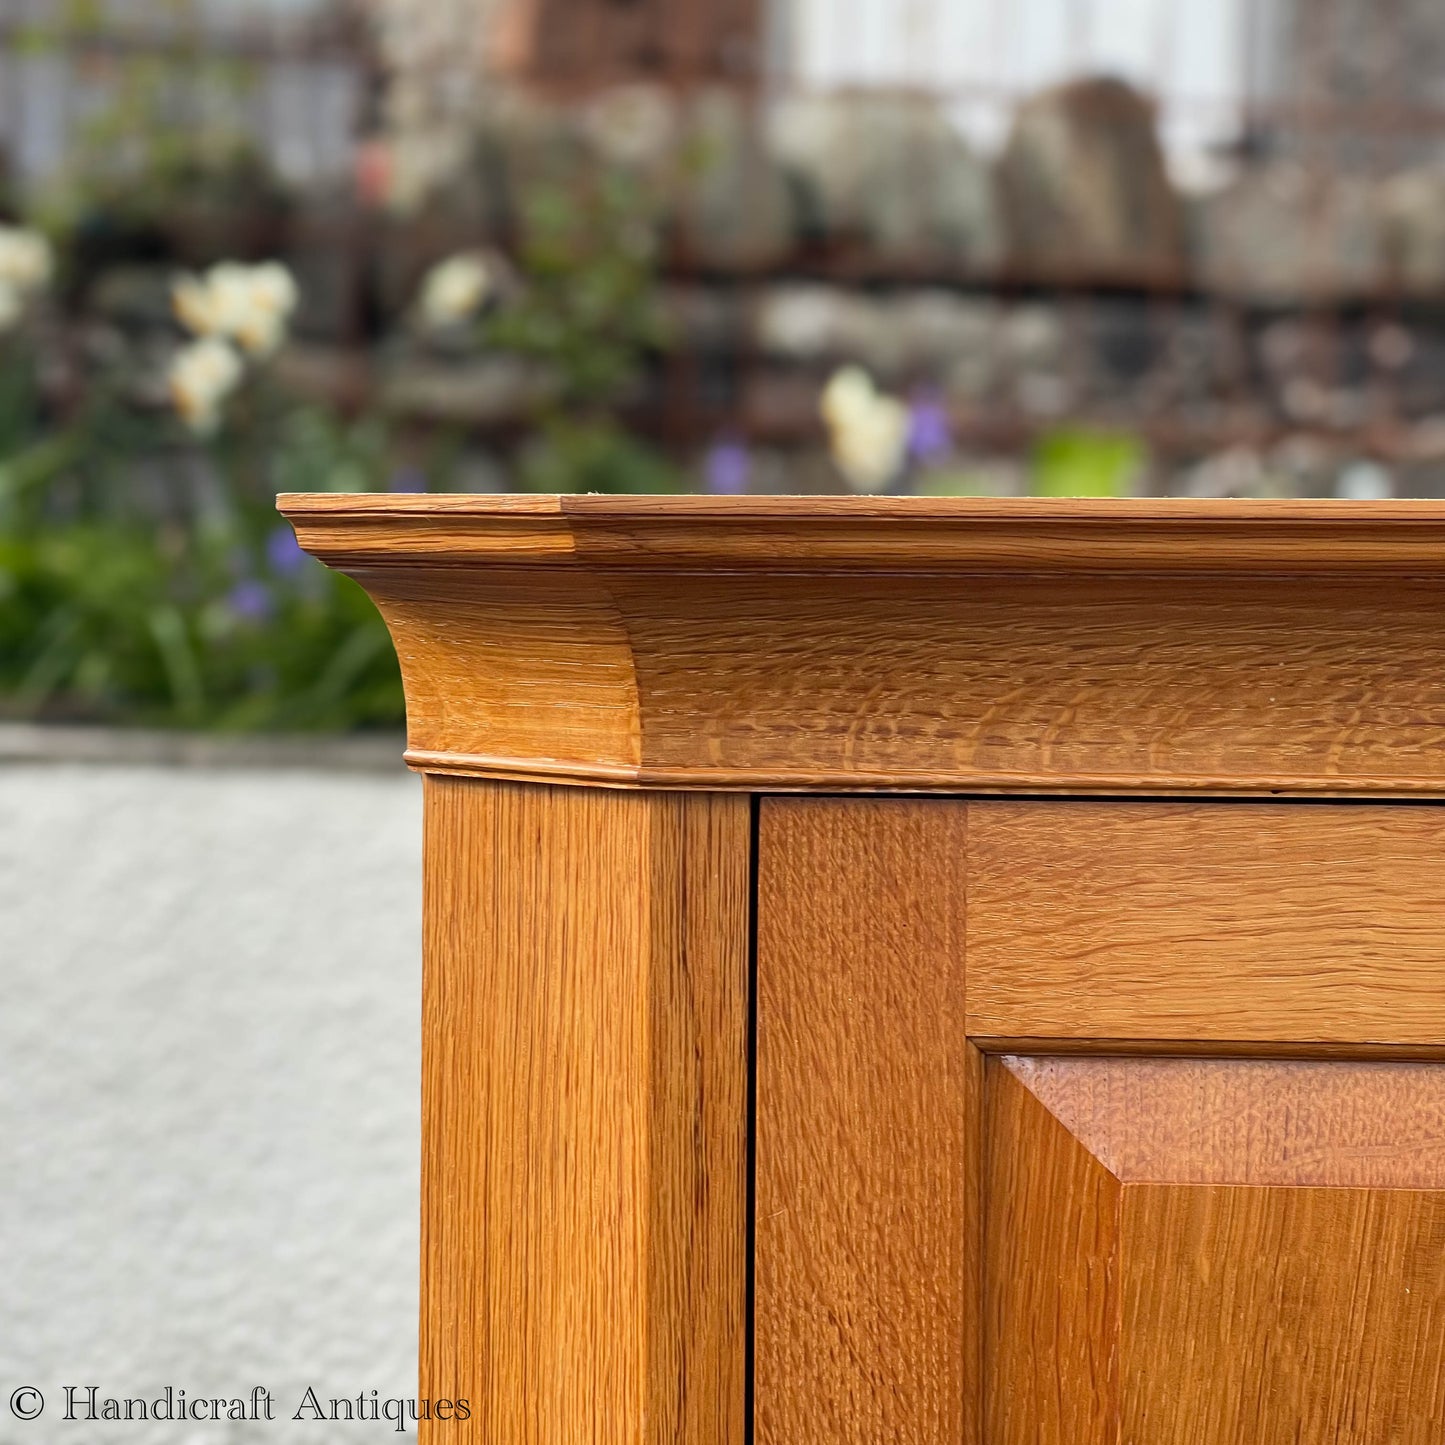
{"points": [[183, 671], [39, 464]]}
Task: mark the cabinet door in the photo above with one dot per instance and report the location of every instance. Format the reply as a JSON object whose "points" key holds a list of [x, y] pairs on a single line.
{"points": [[1095, 1123]]}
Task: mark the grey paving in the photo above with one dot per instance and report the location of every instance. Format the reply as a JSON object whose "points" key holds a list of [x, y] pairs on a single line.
{"points": [[208, 1091]]}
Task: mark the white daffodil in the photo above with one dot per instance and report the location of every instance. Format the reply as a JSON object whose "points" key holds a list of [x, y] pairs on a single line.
{"points": [[26, 260], [26, 265], [202, 375], [849, 392], [254, 304], [250, 305], [194, 307], [274, 289], [867, 429], [455, 290]]}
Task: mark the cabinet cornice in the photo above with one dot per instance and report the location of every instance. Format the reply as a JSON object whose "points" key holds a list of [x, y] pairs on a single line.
{"points": [[906, 644]]}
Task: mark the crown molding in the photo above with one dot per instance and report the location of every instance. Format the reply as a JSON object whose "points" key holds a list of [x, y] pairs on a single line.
{"points": [[875, 534], [906, 644]]}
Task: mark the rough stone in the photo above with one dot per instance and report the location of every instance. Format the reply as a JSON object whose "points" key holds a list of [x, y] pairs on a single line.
{"points": [[1084, 185], [1413, 208], [1282, 234], [891, 173]]}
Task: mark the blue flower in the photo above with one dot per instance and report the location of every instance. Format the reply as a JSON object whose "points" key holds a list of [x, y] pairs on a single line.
{"points": [[930, 431], [408, 479], [727, 468], [250, 600], [284, 553]]}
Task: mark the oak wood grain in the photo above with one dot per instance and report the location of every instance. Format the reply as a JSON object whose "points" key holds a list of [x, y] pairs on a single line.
{"points": [[584, 1024], [500, 653], [1187, 1309], [866, 1321], [883, 533], [1051, 1274], [1241, 922], [1249, 1121], [896, 643], [1282, 1314], [1210, 1048]]}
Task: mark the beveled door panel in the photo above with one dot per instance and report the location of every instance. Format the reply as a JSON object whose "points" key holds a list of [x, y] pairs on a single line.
{"points": [[1087, 1123], [1206, 1250]]}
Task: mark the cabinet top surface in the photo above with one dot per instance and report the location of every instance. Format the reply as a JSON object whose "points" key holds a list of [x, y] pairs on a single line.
{"points": [[867, 533]]}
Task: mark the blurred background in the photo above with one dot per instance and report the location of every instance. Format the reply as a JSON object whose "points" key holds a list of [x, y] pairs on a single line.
{"points": [[998, 247], [936, 246]]}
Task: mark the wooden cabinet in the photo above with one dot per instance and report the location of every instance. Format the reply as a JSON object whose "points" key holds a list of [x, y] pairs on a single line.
{"points": [[943, 973]]}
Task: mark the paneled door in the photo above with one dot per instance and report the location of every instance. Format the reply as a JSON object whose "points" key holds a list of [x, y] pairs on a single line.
{"points": [[1100, 1123]]}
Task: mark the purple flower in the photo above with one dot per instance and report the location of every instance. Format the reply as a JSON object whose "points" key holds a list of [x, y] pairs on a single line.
{"points": [[407, 479], [727, 468], [250, 600], [930, 432], [284, 553]]}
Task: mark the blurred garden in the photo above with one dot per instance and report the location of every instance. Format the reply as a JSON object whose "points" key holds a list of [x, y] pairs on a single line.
{"points": [[252, 246]]}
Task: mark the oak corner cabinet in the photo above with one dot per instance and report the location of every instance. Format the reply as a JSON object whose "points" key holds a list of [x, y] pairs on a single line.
{"points": [[948, 973]]}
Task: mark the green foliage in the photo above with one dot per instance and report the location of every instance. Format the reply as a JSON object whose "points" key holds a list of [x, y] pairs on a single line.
{"points": [[195, 607], [588, 314], [1077, 462], [102, 622], [588, 310], [592, 456]]}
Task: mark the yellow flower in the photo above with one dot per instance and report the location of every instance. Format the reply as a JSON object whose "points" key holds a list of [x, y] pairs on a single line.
{"points": [[192, 302]]}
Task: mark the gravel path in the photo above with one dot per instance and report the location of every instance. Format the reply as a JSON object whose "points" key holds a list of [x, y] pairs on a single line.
{"points": [[208, 1091]]}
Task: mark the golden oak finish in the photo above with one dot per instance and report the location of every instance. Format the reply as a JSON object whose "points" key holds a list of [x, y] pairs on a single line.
{"points": [[584, 1114], [1074, 1121], [1247, 921], [512, 655], [1051, 1278], [1095, 1249], [864, 1110], [853, 534], [1249, 1121], [897, 643], [1282, 1314], [1121, 1311]]}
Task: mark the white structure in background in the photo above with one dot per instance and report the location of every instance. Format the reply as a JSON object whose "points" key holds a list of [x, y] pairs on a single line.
{"points": [[302, 109], [1200, 61]]}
